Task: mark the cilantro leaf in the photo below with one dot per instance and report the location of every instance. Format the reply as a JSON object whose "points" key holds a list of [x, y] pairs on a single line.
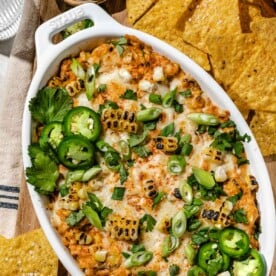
{"points": [[174, 270], [75, 217], [149, 221], [240, 216], [160, 196], [129, 95], [50, 104], [168, 130], [44, 171], [119, 43], [141, 151]]}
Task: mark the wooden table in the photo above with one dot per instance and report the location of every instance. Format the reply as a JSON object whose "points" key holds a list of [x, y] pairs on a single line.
{"points": [[27, 220]]}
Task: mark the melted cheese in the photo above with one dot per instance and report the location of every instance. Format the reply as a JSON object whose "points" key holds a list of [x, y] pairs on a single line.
{"points": [[136, 203]]}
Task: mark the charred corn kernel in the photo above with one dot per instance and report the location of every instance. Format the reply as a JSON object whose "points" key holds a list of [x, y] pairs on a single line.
{"points": [[122, 228], [164, 225], [213, 155], [166, 144], [253, 184], [224, 213], [119, 120], [219, 218], [82, 193], [150, 189], [73, 205], [100, 255], [68, 204], [75, 87], [83, 238], [220, 174], [113, 259], [54, 82]]}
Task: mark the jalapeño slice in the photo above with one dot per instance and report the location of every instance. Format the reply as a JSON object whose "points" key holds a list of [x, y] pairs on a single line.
{"points": [[76, 152], [51, 135], [234, 242], [254, 265], [83, 121], [211, 259]]}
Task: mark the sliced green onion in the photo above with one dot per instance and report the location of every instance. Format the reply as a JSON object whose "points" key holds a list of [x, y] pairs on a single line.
{"points": [[89, 174], [73, 176], [185, 139], [170, 243], [77, 69], [176, 164], [112, 160], [179, 224], [90, 80], [187, 149], [190, 253], [148, 114], [186, 192], [204, 178], [104, 147], [125, 149], [94, 202], [139, 258], [136, 139], [118, 193], [92, 216], [155, 98], [203, 119], [169, 98]]}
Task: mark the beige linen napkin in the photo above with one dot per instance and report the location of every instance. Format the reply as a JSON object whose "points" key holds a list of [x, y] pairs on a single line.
{"points": [[12, 99]]}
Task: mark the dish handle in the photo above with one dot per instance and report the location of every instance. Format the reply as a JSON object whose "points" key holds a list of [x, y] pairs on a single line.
{"points": [[46, 31]]}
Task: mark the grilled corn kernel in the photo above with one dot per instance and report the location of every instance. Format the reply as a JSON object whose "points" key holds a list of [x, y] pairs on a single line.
{"points": [[122, 228], [219, 218], [119, 120], [82, 193], [83, 238], [73, 205], [164, 224], [213, 155], [150, 189], [54, 82], [100, 255], [167, 144], [75, 87]]}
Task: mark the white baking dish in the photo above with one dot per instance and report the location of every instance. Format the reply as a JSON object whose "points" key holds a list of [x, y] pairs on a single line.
{"points": [[49, 57]]}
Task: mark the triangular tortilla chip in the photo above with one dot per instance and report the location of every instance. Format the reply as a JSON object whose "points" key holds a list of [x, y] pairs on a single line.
{"points": [[212, 18], [263, 126], [164, 21], [256, 86], [136, 9]]}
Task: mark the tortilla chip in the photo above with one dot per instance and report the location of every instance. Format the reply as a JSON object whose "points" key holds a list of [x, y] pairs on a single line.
{"points": [[256, 86], [263, 126], [229, 55], [212, 18], [136, 9], [28, 254], [265, 31], [266, 7], [164, 21]]}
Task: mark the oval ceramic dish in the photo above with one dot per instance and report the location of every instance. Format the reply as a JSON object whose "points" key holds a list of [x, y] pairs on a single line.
{"points": [[50, 55]]}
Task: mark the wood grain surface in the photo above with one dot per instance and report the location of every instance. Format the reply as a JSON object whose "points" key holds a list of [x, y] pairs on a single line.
{"points": [[27, 220]]}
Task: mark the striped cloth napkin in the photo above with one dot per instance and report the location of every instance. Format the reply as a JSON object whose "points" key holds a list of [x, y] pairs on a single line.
{"points": [[12, 98]]}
